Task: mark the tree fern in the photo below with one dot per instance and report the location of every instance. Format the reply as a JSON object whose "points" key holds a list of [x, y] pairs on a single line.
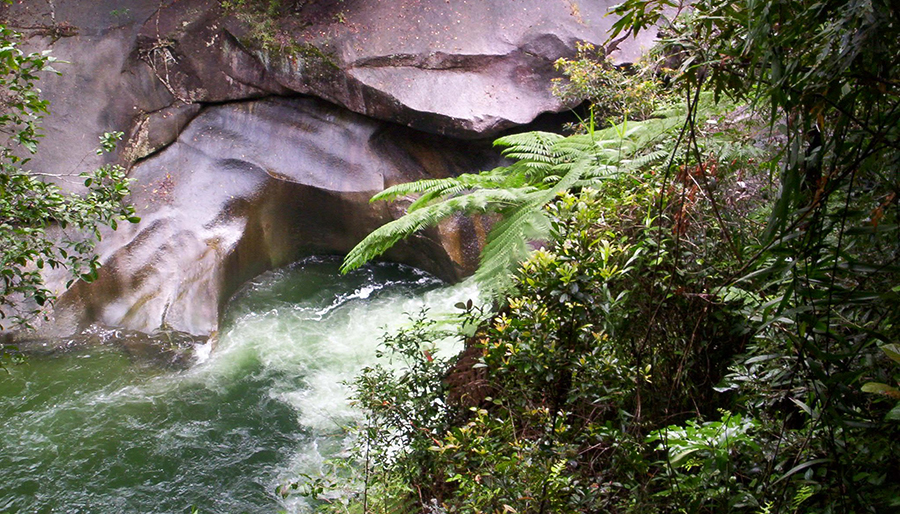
{"points": [[509, 241], [386, 236], [531, 146], [546, 164]]}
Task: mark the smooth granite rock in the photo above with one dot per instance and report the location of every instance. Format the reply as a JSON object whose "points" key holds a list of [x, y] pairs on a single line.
{"points": [[246, 158], [251, 186]]}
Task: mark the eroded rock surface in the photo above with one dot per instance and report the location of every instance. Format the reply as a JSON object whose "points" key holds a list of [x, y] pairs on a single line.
{"points": [[461, 68], [238, 168], [251, 186]]}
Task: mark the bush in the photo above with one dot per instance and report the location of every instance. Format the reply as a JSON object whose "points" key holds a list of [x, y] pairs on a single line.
{"points": [[32, 207], [571, 376], [631, 92]]}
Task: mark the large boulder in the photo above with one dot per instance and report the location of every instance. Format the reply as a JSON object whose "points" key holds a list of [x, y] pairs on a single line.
{"points": [[452, 67], [467, 69], [237, 166], [250, 186]]}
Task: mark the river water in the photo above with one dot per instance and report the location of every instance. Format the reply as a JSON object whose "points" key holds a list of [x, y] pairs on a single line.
{"points": [[97, 429]]}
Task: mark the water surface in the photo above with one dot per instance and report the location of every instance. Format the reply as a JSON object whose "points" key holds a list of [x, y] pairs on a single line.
{"points": [[97, 428]]}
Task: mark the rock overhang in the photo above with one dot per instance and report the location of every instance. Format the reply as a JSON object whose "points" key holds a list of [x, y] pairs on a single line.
{"points": [[238, 168]]}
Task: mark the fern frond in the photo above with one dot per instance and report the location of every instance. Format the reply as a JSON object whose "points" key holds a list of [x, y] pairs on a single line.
{"points": [[545, 164], [601, 172], [386, 236], [645, 160], [573, 147], [728, 151], [537, 145], [540, 167], [484, 180], [430, 196], [433, 189], [521, 173], [509, 241], [408, 188], [612, 155]]}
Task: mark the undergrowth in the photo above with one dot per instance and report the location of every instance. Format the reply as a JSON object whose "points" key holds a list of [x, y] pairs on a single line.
{"points": [[705, 323]]}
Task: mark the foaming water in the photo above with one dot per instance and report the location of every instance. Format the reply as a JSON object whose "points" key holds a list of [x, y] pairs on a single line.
{"points": [[94, 430]]}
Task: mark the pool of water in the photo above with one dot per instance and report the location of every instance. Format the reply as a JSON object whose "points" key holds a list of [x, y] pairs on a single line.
{"points": [[96, 428]]}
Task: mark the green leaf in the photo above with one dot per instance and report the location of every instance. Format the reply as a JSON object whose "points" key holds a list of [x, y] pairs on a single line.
{"points": [[676, 460], [879, 388], [892, 350], [893, 414], [801, 467]]}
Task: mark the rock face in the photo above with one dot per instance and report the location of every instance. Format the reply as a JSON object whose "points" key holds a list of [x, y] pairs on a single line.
{"points": [[250, 186], [251, 149]]}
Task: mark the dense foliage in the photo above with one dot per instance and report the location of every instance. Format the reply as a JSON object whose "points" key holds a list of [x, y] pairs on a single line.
{"points": [[711, 332], [591, 77], [611, 331], [42, 227], [546, 164]]}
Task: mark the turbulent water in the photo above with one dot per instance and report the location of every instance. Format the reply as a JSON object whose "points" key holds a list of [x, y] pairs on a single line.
{"points": [[95, 429]]}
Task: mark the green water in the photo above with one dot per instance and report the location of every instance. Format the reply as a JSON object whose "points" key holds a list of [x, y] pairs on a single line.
{"points": [[95, 429]]}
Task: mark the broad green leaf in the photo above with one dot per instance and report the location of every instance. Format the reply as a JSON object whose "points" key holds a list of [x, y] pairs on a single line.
{"points": [[892, 350], [879, 388]]}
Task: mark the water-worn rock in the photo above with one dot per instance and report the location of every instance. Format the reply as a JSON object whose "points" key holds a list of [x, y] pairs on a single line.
{"points": [[466, 69], [233, 176], [254, 185]]}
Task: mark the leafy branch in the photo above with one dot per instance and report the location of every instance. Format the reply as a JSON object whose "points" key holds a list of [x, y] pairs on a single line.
{"points": [[42, 227], [545, 165]]}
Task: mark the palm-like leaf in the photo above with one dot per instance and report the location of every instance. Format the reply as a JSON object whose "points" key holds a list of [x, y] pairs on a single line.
{"points": [[386, 236], [509, 241], [546, 164]]}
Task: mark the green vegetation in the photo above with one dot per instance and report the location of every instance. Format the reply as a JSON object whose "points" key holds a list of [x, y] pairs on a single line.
{"points": [[636, 95], [710, 322], [695, 309], [272, 26], [41, 227], [546, 165], [608, 329], [261, 16]]}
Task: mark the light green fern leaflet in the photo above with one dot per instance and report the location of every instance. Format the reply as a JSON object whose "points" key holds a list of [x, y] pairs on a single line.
{"points": [[546, 164]]}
